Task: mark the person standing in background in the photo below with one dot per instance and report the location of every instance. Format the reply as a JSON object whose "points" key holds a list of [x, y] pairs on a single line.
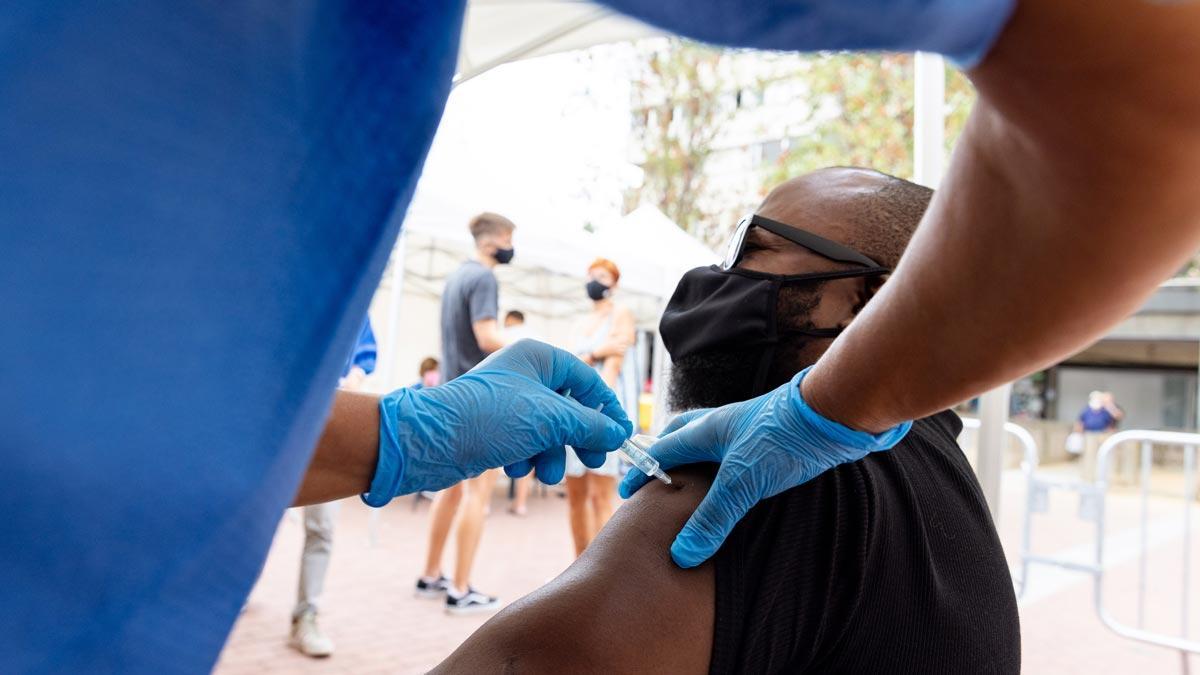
{"points": [[306, 635], [429, 373], [604, 339], [1097, 421], [470, 331], [515, 329]]}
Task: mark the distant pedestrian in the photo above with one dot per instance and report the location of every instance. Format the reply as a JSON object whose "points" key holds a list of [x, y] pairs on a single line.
{"points": [[515, 329], [319, 519], [604, 339], [1096, 422], [470, 331], [429, 374]]}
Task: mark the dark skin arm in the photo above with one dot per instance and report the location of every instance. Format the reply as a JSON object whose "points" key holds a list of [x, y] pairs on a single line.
{"points": [[344, 461], [623, 606], [1076, 171]]}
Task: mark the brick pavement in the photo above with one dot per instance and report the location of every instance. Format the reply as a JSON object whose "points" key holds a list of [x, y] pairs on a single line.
{"points": [[379, 627]]}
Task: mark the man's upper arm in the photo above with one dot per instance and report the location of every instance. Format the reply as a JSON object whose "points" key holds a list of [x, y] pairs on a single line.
{"points": [[483, 298], [622, 606]]}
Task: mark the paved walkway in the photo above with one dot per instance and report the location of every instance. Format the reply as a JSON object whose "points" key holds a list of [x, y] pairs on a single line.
{"points": [[379, 627]]}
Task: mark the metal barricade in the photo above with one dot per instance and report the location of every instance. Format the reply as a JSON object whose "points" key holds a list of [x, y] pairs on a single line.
{"points": [[1035, 489], [1092, 508], [1189, 442]]}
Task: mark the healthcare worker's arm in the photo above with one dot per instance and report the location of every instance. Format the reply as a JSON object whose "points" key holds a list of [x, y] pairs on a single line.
{"points": [[1071, 195], [508, 411], [345, 458]]}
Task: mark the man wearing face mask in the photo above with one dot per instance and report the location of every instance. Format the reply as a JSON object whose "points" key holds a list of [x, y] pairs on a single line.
{"points": [[888, 564], [470, 331]]}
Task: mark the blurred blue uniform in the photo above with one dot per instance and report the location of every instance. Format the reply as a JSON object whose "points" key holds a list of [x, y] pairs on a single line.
{"points": [[197, 200], [365, 351]]}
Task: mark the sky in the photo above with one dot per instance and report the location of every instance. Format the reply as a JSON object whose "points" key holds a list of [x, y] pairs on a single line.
{"points": [[543, 141]]}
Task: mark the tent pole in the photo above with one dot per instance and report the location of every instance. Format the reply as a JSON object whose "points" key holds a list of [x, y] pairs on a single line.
{"points": [[393, 315], [929, 118]]}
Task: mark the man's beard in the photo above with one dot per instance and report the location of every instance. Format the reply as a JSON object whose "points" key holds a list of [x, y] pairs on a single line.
{"points": [[715, 378]]}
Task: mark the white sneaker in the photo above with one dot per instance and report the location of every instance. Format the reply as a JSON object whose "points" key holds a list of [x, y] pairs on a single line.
{"points": [[307, 637], [471, 602]]}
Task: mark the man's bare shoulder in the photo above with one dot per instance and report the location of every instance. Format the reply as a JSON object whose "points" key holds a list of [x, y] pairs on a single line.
{"points": [[622, 606]]}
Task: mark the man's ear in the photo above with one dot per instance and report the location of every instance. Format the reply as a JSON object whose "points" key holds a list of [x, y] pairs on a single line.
{"points": [[867, 289]]}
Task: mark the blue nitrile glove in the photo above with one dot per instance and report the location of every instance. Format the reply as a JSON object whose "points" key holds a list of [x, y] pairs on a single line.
{"points": [[765, 446], [507, 411]]}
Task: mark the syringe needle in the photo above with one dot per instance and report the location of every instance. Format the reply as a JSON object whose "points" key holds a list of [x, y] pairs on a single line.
{"points": [[636, 453]]}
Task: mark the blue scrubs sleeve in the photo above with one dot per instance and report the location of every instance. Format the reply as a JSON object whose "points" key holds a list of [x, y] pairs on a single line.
{"points": [[196, 204], [963, 30], [365, 350]]}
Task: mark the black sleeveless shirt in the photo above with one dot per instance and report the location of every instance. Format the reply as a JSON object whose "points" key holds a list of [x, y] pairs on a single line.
{"points": [[889, 564]]}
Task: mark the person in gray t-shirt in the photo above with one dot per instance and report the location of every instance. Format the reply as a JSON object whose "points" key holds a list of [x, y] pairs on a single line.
{"points": [[469, 301], [469, 333]]}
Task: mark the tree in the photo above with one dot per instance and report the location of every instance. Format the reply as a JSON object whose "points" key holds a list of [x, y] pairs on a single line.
{"points": [[819, 110], [863, 118], [677, 115]]}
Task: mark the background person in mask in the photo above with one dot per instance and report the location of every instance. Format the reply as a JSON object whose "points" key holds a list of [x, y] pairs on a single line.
{"points": [[888, 564], [470, 331], [604, 339]]}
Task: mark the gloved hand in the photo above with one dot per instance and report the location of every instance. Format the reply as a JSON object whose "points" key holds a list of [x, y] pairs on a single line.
{"points": [[508, 411], [680, 421], [765, 446]]}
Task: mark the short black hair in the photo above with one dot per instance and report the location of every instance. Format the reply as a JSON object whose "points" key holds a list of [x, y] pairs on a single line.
{"points": [[516, 315], [886, 220]]}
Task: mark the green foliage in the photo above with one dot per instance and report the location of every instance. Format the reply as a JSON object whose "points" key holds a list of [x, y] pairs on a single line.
{"points": [[677, 116], [864, 117], [836, 109]]}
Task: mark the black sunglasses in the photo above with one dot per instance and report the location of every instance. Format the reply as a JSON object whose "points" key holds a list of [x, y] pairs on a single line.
{"points": [[819, 245]]}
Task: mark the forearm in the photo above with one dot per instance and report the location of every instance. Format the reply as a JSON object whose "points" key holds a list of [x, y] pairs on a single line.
{"points": [[611, 370], [613, 346], [620, 338], [1070, 197], [487, 336], [344, 461]]}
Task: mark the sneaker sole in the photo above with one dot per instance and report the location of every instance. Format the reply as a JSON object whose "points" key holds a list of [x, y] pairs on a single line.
{"points": [[429, 595], [319, 655], [473, 609]]}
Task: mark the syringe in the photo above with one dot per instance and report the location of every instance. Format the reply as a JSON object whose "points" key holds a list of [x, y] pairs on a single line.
{"points": [[634, 450]]}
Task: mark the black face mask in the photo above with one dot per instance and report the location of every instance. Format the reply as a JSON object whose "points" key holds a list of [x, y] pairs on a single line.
{"points": [[504, 255], [597, 290], [715, 310]]}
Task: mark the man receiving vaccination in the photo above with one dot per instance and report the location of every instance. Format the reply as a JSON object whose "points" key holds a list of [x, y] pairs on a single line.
{"points": [[887, 564]]}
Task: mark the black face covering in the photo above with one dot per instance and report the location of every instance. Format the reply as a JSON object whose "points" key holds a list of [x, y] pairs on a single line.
{"points": [[504, 255], [596, 290], [716, 310]]}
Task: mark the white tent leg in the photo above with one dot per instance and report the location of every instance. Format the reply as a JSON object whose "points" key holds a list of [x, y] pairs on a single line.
{"points": [[993, 413], [391, 355], [929, 118]]}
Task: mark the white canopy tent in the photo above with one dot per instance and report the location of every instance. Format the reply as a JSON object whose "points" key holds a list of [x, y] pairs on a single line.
{"points": [[501, 31]]}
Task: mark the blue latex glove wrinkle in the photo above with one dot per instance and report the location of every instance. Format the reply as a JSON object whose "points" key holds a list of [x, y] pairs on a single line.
{"points": [[765, 445], [504, 412]]}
